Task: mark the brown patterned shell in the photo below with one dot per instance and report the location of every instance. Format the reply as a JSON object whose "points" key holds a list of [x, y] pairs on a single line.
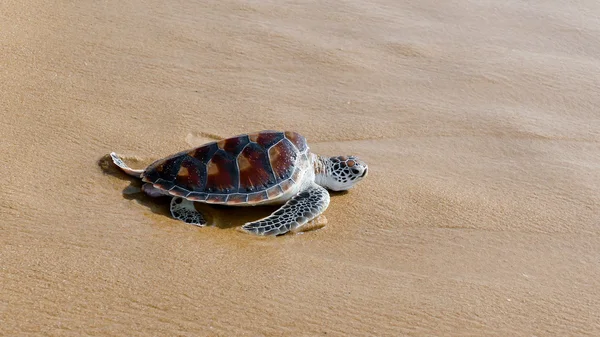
{"points": [[245, 169]]}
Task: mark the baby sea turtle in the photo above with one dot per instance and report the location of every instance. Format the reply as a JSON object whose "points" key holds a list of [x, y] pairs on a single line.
{"points": [[267, 167]]}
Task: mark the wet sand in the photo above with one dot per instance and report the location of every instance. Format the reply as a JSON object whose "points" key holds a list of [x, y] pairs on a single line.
{"points": [[479, 122]]}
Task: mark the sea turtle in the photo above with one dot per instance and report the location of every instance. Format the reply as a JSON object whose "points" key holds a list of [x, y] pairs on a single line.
{"points": [[267, 167]]}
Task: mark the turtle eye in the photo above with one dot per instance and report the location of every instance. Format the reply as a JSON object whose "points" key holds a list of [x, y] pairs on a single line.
{"points": [[355, 171]]}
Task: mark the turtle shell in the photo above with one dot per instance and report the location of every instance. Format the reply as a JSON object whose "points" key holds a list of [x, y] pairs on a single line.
{"points": [[246, 169]]}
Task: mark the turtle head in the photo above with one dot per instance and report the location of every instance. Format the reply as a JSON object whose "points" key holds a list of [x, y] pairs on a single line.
{"points": [[340, 173]]}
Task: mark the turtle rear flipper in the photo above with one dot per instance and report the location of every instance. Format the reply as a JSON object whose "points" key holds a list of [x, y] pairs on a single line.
{"points": [[298, 211], [121, 164], [184, 210]]}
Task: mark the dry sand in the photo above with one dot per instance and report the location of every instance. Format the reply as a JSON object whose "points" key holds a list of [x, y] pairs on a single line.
{"points": [[479, 119]]}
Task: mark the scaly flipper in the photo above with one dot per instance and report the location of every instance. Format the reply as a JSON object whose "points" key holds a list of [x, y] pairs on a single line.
{"points": [[121, 164], [184, 210], [299, 210]]}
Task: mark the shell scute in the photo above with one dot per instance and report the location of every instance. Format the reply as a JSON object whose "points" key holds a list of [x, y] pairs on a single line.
{"points": [[178, 191], [234, 145], [191, 176], [274, 192], [237, 198], [297, 139], [163, 184], [296, 174], [222, 174], [286, 185], [256, 197], [204, 153], [216, 198], [266, 139], [254, 168], [196, 196], [282, 157], [164, 169]]}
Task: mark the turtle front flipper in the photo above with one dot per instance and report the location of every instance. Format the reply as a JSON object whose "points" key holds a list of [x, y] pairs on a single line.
{"points": [[121, 164], [184, 210], [298, 211]]}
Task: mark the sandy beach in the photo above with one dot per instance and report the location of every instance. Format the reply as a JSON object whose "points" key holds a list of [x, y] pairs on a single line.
{"points": [[479, 121]]}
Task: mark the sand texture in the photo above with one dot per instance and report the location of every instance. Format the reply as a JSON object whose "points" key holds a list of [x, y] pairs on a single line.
{"points": [[480, 122]]}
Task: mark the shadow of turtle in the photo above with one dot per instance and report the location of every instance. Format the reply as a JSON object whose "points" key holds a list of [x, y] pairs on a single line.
{"points": [[335, 193], [220, 216]]}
